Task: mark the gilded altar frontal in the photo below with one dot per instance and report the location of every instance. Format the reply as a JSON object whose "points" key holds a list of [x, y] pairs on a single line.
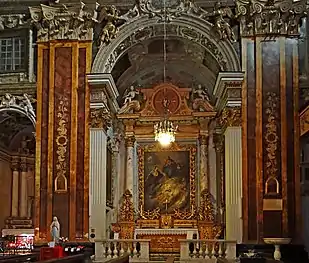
{"points": [[156, 128]]}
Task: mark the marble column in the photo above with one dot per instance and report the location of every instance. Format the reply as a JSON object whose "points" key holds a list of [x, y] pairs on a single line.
{"points": [[204, 173], [98, 148], [218, 140], [23, 188], [233, 183], [130, 141], [15, 186]]}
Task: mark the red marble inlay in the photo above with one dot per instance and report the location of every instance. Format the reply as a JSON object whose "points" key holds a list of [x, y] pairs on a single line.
{"points": [[80, 144]]}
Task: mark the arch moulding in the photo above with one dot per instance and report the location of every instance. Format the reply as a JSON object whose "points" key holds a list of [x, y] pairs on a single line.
{"points": [[18, 104], [186, 26]]}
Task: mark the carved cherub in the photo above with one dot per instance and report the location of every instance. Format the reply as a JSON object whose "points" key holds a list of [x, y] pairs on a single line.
{"points": [[220, 16], [8, 100], [130, 95], [201, 93], [110, 30]]}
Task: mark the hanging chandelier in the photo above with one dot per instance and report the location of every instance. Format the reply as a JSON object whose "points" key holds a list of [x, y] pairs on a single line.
{"points": [[165, 130]]}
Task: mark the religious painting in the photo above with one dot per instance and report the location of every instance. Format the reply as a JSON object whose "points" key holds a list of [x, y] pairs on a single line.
{"points": [[167, 178]]}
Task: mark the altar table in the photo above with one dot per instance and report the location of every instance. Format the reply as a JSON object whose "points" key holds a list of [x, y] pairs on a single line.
{"points": [[165, 240]]}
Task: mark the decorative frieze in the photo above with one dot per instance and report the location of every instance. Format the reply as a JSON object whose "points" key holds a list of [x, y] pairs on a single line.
{"points": [[273, 18], [12, 21]]}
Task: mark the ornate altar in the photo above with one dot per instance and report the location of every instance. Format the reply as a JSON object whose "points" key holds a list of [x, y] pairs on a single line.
{"points": [[167, 176]]}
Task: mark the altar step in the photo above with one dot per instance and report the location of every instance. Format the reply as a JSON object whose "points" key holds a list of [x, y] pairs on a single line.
{"points": [[162, 257]]}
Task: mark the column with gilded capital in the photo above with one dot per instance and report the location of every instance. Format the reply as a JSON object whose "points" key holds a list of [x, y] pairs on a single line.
{"points": [[231, 125], [130, 142], [15, 186], [228, 92], [62, 130], [98, 150], [270, 102]]}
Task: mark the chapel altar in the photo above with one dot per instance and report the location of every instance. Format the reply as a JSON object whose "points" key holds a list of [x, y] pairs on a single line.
{"points": [[175, 195]]}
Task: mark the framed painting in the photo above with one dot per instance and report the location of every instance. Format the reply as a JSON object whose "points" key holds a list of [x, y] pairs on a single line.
{"points": [[166, 178]]}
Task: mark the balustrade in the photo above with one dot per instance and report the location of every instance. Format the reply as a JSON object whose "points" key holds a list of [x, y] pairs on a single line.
{"points": [[190, 249], [137, 249], [207, 249]]}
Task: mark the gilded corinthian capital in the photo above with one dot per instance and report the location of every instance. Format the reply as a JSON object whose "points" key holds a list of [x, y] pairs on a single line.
{"points": [[259, 17], [100, 118], [230, 116]]}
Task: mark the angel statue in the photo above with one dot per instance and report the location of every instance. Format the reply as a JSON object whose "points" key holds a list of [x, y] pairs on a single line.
{"points": [[130, 95], [130, 103], [220, 15], [201, 93], [110, 30], [55, 229]]}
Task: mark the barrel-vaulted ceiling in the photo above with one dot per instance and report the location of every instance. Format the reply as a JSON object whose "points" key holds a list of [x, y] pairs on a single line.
{"points": [[186, 64], [195, 52]]}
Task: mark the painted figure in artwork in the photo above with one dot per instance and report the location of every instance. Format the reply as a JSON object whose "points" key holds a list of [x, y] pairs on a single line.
{"points": [[55, 229], [167, 181]]}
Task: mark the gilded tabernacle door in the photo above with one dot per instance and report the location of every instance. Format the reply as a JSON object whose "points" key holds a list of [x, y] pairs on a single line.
{"points": [[167, 183]]}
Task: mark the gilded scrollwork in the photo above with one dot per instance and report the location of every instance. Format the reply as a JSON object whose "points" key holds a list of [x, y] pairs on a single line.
{"points": [[62, 145], [270, 17], [192, 180], [206, 210], [126, 213], [230, 116], [100, 118], [271, 135]]}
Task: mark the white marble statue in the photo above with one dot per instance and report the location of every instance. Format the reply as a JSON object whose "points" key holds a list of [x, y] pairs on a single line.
{"points": [[201, 93], [130, 95], [55, 229]]}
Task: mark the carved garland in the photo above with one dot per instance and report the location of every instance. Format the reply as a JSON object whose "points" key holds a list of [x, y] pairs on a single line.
{"points": [[61, 183], [271, 141], [155, 214]]}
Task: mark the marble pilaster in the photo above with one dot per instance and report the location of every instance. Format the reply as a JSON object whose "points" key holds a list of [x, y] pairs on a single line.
{"points": [[233, 185], [98, 148]]}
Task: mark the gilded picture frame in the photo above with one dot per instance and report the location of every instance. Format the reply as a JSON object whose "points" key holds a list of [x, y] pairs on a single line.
{"points": [[143, 150]]}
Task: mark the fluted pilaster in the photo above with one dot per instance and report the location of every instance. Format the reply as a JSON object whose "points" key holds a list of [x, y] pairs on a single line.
{"points": [[233, 183], [98, 146]]}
